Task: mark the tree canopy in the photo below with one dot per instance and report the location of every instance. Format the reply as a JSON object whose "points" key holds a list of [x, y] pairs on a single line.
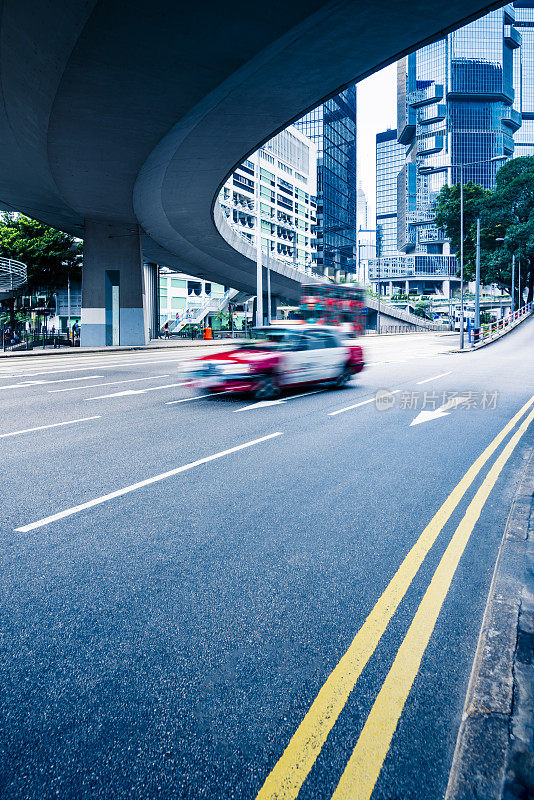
{"points": [[49, 254], [506, 224]]}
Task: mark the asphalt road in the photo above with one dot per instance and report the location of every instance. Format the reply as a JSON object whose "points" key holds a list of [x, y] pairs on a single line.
{"points": [[280, 612]]}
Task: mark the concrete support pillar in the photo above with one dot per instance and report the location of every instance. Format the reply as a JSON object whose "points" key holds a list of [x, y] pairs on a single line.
{"points": [[264, 316], [275, 302], [112, 286], [391, 288], [447, 289], [337, 275]]}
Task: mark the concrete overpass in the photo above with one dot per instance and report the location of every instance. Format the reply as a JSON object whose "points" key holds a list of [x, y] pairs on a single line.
{"points": [[119, 123]]}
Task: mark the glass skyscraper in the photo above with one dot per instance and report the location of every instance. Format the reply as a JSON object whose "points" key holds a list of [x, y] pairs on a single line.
{"points": [[456, 105], [390, 157], [524, 77], [332, 127]]}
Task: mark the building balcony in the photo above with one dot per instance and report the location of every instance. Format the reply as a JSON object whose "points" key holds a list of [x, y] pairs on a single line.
{"points": [[430, 144], [511, 118], [422, 97], [434, 112], [512, 37]]}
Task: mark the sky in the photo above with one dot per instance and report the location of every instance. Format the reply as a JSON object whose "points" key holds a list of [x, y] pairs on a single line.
{"points": [[377, 111]]}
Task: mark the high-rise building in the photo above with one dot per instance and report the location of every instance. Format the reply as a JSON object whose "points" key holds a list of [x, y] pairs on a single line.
{"points": [[332, 127], [524, 77], [390, 157], [361, 208], [277, 186], [456, 106]]}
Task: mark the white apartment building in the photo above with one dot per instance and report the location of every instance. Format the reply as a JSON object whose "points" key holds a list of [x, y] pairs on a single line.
{"points": [[277, 185]]}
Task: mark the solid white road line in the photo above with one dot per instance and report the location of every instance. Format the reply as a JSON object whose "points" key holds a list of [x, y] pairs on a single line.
{"points": [[427, 380], [110, 383], [129, 392], [134, 486], [45, 427], [357, 405]]}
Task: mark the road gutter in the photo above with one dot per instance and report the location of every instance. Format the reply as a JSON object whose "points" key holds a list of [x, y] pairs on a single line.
{"points": [[493, 758]]}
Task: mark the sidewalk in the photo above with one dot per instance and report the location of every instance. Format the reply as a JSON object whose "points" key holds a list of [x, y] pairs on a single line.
{"points": [[156, 344], [494, 757]]}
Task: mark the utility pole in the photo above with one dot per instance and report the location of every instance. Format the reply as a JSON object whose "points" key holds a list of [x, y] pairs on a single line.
{"points": [[477, 279]]}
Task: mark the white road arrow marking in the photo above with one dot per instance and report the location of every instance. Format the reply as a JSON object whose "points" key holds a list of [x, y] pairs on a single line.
{"points": [[443, 411], [281, 401], [128, 392]]}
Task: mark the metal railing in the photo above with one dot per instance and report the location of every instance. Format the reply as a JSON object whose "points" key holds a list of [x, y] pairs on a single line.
{"points": [[26, 340], [13, 274], [493, 330]]}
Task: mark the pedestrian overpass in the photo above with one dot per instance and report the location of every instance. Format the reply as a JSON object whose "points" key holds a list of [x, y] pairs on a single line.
{"points": [[120, 122]]}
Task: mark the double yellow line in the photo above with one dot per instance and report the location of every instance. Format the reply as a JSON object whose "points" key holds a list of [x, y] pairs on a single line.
{"points": [[361, 773]]}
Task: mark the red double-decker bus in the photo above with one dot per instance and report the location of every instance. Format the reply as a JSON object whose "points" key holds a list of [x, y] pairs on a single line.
{"points": [[340, 304]]}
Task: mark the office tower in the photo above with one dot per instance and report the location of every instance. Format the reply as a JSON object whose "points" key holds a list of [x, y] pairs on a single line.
{"points": [[455, 106], [361, 208], [332, 127], [390, 157], [524, 77]]}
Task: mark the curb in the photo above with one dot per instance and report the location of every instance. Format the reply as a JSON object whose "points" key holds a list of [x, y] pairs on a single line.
{"points": [[76, 351], [484, 761]]}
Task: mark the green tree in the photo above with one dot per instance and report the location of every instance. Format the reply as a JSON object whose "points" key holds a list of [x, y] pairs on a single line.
{"points": [[448, 219], [49, 254], [507, 225]]}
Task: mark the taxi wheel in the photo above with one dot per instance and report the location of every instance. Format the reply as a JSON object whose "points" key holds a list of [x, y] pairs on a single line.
{"points": [[267, 389], [344, 378]]}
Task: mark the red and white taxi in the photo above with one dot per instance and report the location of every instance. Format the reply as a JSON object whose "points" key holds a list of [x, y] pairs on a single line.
{"points": [[276, 358]]}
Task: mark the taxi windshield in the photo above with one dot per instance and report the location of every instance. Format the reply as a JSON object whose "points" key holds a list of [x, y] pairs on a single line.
{"points": [[274, 339]]}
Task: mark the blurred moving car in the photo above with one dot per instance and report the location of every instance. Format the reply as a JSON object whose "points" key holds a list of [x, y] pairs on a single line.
{"points": [[276, 358]]}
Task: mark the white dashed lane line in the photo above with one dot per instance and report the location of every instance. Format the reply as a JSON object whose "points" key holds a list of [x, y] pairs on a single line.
{"points": [[434, 378], [45, 427], [357, 405], [109, 383]]}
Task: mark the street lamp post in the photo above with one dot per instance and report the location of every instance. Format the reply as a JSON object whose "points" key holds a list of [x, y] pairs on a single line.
{"points": [[268, 288], [427, 170], [512, 307], [259, 264], [477, 279], [378, 310], [461, 256]]}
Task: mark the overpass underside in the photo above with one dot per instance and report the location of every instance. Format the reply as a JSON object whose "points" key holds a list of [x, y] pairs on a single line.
{"points": [[119, 124]]}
